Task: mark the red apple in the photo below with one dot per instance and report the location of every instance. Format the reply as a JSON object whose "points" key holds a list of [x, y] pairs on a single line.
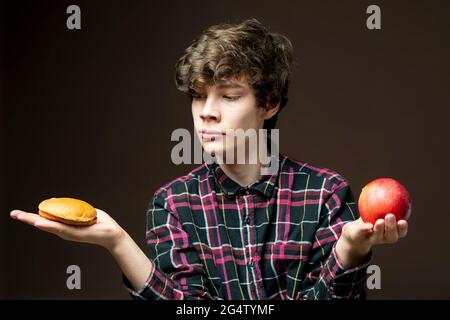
{"points": [[383, 196]]}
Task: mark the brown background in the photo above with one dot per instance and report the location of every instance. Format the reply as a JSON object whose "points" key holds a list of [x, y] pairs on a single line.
{"points": [[89, 114]]}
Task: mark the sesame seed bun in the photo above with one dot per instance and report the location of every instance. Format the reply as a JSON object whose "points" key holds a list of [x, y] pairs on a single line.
{"points": [[68, 211]]}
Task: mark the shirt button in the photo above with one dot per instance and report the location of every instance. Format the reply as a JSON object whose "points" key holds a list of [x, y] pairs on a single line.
{"points": [[247, 220], [251, 263], [244, 192]]}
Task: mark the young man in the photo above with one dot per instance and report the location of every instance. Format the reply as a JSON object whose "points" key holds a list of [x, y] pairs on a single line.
{"points": [[224, 230]]}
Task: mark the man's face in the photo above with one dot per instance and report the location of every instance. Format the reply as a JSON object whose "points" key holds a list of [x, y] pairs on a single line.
{"points": [[224, 106]]}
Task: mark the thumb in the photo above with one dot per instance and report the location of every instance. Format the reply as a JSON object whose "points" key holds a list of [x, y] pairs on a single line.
{"points": [[358, 230]]}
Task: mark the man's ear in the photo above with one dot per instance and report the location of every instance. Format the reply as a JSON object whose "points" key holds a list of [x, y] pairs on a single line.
{"points": [[270, 111]]}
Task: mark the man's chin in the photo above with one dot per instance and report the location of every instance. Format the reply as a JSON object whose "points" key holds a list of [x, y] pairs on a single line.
{"points": [[209, 147], [212, 149]]}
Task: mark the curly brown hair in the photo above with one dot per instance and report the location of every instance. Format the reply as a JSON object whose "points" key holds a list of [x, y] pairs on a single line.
{"points": [[234, 51]]}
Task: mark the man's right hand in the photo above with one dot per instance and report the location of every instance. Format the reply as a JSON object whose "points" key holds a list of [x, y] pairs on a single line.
{"points": [[106, 232]]}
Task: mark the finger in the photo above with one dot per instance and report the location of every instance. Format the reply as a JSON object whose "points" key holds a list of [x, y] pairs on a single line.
{"points": [[62, 230], [402, 227], [13, 214], [368, 226], [390, 229], [363, 226], [378, 232], [38, 221], [51, 226], [66, 232], [364, 231], [355, 231], [26, 217]]}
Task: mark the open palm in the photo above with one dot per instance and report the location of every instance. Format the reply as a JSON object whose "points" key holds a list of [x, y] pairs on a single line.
{"points": [[105, 232]]}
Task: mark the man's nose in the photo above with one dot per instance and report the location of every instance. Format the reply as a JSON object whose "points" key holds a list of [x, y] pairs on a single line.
{"points": [[210, 110]]}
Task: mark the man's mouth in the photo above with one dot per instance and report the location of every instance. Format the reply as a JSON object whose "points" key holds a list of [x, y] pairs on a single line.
{"points": [[211, 134]]}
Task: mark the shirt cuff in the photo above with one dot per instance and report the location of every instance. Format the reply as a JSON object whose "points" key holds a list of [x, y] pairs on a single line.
{"points": [[347, 283], [158, 286]]}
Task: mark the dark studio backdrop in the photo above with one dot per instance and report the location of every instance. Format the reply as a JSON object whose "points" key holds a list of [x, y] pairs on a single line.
{"points": [[89, 113]]}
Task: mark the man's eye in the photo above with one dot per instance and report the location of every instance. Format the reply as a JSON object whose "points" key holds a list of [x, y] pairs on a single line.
{"points": [[231, 98]]}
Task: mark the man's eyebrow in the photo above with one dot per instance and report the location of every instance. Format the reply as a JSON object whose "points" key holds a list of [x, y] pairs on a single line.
{"points": [[229, 85]]}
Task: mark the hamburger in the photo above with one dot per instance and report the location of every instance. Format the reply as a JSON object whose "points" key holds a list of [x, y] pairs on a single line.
{"points": [[68, 211]]}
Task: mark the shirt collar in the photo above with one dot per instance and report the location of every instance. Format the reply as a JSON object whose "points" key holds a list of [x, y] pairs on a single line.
{"points": [[265, 185]]}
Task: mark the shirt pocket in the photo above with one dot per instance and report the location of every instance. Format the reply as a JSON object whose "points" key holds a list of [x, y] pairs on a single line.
{"points": [[286, 256], [285, 262]]}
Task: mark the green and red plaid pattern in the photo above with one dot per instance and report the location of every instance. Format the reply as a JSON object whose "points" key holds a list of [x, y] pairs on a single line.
{"points": [[210, 238]]}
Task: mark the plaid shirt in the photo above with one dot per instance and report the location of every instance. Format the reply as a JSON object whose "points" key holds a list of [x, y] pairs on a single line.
{"points": [[210, 238]]}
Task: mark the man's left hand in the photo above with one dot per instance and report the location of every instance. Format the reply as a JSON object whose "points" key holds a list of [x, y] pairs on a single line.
{"points": [[358, 237]]}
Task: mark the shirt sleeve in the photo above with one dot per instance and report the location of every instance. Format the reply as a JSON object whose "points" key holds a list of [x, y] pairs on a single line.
{"points": [[178, 272], [326, 278]]}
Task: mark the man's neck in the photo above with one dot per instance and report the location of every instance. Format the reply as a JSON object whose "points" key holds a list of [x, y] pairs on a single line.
{"points": [[247, 173], [243, 174]]}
